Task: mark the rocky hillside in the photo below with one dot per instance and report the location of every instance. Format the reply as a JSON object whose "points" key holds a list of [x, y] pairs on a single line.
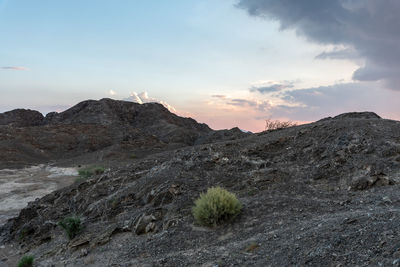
{"points": [[105, 130], [321, 194]]}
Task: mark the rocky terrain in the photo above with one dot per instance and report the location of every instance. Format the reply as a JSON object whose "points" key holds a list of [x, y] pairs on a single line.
{"points": [[100, 131], [321, 194]]}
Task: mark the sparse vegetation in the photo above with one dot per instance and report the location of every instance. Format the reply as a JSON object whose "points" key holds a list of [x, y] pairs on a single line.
{"points": [[72, 226], [26, 261], [114, 203], [252, 247], [216, 206], [23, 233], [88, 172], [276, 124]]}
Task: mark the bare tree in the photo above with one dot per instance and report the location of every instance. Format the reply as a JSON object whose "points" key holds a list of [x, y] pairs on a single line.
{"points": [[276, 124]]}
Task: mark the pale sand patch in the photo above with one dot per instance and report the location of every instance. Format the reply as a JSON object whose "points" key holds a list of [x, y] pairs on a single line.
{"points": [[18, 187]]}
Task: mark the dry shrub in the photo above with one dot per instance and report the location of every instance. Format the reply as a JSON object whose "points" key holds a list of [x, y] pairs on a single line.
{"points": [[276, 124]]}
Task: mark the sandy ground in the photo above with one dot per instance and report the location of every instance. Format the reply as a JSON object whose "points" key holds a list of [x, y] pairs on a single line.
{"points": [[20, 186]]}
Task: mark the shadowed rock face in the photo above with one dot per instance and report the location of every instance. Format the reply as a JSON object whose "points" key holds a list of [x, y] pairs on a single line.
{"points": [[321, 194], [21, 118]]}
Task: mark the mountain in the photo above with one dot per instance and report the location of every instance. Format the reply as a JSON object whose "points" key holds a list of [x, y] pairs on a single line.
{"points": [[320, 194], [104, 130]]}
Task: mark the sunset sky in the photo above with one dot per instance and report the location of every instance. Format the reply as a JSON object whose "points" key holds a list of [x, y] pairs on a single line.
{"points": [[226, 63]]}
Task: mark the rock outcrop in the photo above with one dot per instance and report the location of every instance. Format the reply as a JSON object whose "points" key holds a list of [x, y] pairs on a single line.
{"points": [[21, 118], [358, 115]]}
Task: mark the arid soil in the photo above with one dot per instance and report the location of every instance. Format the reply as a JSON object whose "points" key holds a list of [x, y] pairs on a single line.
{"points": [[20, 186], [321, 194]]}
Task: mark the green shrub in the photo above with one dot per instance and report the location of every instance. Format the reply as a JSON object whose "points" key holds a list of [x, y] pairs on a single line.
{"points": [[23, 233], [26, 261], [216, 206], [71, 225], [89, 172]]}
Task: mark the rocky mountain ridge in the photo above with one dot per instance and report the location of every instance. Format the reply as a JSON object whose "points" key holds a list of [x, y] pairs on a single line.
{"points": [[105, 129]]}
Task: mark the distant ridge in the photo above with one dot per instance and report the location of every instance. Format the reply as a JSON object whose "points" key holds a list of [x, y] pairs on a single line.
{"points": [[120, 127]]}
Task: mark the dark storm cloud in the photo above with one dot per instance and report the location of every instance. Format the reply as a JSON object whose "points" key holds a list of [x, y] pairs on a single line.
{"points": [[339, 54], [370, 27]]}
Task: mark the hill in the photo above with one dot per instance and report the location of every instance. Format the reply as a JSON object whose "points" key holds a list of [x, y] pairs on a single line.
{"points": [[91, 131], [320, 194]]}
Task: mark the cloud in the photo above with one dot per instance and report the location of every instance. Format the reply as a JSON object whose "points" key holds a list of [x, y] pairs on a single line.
{"points": [[144, 98], [219, 96], [271, 86], [240, 104], [336, 53], [112, 92], [13, 68], [332, 100], [366, 29], [248, 110], [301, 105]]}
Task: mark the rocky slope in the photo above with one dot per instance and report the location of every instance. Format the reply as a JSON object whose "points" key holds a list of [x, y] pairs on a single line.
{"points": [[105, 130], [321, 194]]}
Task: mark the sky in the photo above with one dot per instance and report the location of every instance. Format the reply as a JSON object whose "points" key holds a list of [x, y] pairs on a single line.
{"points": [[226, 63]]}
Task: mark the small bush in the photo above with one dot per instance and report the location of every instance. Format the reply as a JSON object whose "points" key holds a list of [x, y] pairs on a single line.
{"points": [[216, 206], [71, 225], [26, 261], [89, 172]]}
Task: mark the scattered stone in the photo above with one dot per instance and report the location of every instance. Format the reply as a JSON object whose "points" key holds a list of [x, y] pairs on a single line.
{"points": [[145, 224], [80, 241], [83, 252]]}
